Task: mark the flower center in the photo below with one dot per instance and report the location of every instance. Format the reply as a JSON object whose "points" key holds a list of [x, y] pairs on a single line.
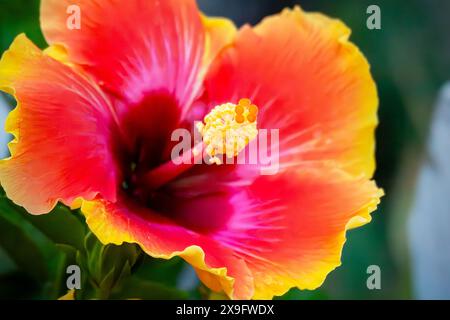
{"points": [[228, 129]]}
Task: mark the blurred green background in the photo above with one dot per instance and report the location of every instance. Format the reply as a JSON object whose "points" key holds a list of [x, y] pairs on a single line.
{"points": [[410, 58]]}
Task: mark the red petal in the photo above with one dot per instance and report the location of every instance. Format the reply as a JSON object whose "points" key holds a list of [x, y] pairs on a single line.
{"points": [[133, 47], [61, 149], [290, 228], [310, 82], [159, 237]]}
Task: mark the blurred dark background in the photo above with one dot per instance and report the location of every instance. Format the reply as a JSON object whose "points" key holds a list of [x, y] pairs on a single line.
{"points": [[410, 58]]}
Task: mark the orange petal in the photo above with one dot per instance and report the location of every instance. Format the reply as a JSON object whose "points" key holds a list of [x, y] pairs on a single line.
{"points": [[310, 82], [290, 228], [61, 148]]}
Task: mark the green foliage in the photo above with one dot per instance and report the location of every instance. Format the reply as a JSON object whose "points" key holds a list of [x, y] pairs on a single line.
{"points": [[105, 266], [19, 16], [42, 247], [34, 254]]}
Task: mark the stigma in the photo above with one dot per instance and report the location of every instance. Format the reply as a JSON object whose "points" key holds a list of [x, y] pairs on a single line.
{"points": [[228, 129]]}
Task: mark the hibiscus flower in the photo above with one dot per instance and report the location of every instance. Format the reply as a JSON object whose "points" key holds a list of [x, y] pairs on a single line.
{"points": [[97, 109]]}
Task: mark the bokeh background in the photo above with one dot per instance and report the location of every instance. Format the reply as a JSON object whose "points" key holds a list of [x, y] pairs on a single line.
{"points": [[410, 58]]}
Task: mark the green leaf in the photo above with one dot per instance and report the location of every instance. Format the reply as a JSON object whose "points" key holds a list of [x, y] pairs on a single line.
{"points": [[30, 249], [23, 243], [160, 270], [107, 265], [62, 226], [70, 253]]}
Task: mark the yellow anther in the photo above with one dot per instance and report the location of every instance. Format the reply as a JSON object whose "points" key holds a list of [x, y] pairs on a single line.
{"points": [[244, 102], [240, 118], [239, 109], [228, 129], [251, 118], [253, 109]]}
